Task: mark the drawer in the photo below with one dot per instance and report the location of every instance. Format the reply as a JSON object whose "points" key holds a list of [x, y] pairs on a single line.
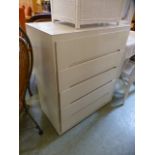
{"points": [[79, 73], [76, 92], [75, 51], [71, 116], [87, 100]]}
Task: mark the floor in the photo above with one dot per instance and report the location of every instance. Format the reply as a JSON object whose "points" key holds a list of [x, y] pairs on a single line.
{"points": [[109, 131]]}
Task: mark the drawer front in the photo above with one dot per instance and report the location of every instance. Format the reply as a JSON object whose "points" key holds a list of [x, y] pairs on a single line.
{"points": [[75, 51], [79, 73], [84, 107], [76, 92]]}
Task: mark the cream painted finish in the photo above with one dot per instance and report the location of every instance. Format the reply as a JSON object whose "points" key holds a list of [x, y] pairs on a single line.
{"points": [[77, 117], [75, 69], [45, 70], [74, 93], [74, 75], [86, 100], [99, 45], [80, 12]]}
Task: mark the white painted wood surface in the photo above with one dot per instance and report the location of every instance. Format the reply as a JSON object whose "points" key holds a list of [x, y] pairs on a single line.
{"points": [[72, 94], [80, 12], [85, 78], [99, 45], [89, 98], [45, 70], [67, 123], [78, 73]]}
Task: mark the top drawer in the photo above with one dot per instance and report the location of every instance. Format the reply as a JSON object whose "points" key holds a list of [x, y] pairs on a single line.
{"points": [[78, 50], [72, 76]]}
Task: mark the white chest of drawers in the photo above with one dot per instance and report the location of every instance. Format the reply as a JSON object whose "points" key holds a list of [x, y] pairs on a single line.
{"points": [[75, 69]]}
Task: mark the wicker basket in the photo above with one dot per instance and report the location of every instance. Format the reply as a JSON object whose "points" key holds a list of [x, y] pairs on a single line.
{"points": [[81, 12]]}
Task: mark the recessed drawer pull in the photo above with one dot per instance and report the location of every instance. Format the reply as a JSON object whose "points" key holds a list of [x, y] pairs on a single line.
{"points": [[81, 72], [95, 57], [91, 91], [91, 77], [90, 103]]}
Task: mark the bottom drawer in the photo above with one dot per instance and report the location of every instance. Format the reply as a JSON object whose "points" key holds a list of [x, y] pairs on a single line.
{"points": [[86, 105]]}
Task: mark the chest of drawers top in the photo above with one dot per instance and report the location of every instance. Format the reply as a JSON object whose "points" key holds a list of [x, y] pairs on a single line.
{"points": [[59, 28]]}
